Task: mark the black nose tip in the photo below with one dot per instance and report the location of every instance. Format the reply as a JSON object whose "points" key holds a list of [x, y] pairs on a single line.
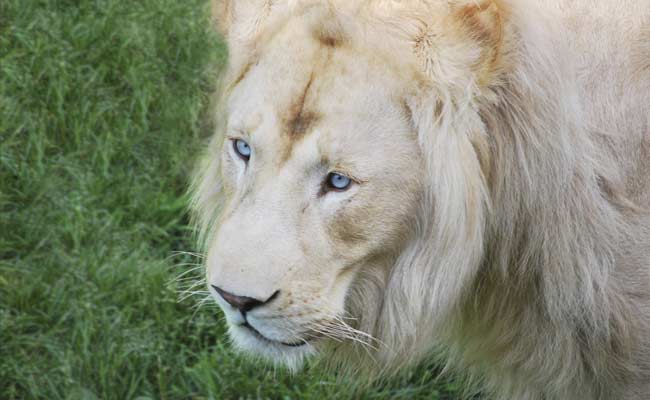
{"points": [[242, 303]]}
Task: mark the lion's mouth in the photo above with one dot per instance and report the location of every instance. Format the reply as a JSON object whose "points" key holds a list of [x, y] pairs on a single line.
{"points": [[259, 335]]}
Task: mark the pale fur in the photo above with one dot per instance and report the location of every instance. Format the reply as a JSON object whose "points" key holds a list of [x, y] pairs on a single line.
{"points": [[526, 265]]}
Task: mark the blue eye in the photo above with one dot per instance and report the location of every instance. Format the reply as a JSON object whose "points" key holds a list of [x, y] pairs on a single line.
{"points": [[242, 148], [338, 182]]}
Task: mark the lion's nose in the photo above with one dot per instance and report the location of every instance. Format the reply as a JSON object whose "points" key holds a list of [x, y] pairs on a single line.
{"points": [[243, 303]]}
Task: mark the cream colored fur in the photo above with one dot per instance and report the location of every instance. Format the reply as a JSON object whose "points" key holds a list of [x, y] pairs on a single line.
{"points": [[499, 219]]}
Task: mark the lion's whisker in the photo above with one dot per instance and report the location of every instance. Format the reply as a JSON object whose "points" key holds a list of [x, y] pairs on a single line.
{"points": [[185, 273], [186, 253], [188, 270], [343, 331], [193, 286], [187, 294]]}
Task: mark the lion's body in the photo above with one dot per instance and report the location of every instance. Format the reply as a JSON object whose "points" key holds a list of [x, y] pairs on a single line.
{"points": [[501, 215], [609, 43], [523, 353]]}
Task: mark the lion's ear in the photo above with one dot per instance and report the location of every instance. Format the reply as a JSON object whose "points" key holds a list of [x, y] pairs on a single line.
{"points": [[465, 44], [485, 24], [239, 17], [483, 20], [240, 21], [221, 12], [457, 57]]}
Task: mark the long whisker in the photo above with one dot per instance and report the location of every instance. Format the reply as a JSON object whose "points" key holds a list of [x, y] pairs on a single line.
{"points": [[321, 330], [196, 286], [187, 280], [356, 335], [206, 300], [185, 273], [194, 266], [183, 281], [186, 253], [353, 330], [347, 332], [336, 328], [190, 293], [364, 344]]}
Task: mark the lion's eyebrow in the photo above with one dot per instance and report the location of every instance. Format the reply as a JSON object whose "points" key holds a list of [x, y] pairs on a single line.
{"points": [[243, 125], [236, 130], [346, 170]]}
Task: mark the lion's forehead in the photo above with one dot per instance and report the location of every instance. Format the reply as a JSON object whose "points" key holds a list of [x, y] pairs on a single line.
{"points": [[300, 87]]}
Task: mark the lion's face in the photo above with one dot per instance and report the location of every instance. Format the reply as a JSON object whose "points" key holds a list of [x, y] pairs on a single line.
{"points": [[320, 167], [351, 187]]}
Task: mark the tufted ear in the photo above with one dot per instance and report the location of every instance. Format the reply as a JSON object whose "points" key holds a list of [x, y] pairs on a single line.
{"points": [[235, 17], [462, 44], [240, 22], [221, 15], [459, 57], [483, 20], [484, 23]]}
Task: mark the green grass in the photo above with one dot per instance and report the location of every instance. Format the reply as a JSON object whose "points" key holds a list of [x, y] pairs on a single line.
{"points": [[101, 110]]}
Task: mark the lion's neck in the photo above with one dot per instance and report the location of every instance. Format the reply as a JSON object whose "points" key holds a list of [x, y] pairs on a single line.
{"points": [[546, 282]]}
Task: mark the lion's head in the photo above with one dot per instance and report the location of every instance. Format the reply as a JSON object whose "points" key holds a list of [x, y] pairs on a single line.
{"points": [[396, 177], [343, 197]]}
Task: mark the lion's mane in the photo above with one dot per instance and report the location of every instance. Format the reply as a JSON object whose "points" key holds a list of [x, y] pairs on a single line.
{"points": [[521, 275]]}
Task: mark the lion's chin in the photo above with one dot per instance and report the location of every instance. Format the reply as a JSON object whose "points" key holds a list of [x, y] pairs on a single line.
{"points": [[289, 355]]}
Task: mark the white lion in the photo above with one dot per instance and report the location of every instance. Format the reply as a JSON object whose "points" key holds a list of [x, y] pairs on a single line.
{"points": [[393, 180]]}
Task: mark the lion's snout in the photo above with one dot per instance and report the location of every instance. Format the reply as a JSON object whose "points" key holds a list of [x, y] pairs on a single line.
{"points": [[243, 303], [241, 306]]}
